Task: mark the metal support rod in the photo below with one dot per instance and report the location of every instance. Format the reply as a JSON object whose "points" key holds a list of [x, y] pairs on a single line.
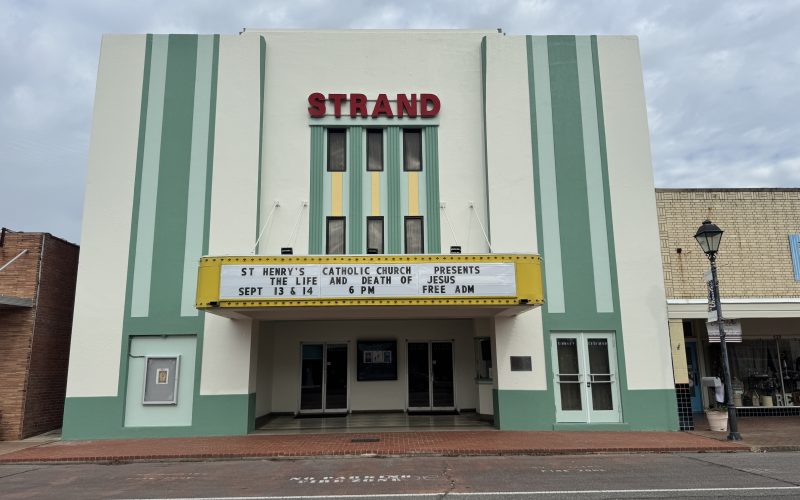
{"points": [[266, 223], [480, 225], [293, 236], [733, 424], [443, 209]]}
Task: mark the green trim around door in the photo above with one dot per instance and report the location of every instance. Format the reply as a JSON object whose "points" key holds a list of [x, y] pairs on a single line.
{"points": [[521, 410]]}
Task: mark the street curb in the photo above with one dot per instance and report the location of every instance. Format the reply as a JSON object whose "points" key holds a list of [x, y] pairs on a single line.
{"points": [[774, 448], [454, 454]]}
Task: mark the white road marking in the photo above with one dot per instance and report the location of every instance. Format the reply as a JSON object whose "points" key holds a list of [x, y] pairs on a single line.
{"points": [[489, 493]]}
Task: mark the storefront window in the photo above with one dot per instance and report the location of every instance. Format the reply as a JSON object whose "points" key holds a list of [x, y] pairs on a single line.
{"points": [[765, 371]]}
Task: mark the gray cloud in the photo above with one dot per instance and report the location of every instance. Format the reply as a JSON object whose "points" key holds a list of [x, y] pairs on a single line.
{"points": [[720, 80]]}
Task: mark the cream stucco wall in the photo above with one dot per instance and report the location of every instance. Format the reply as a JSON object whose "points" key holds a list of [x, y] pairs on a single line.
{"points": [[229, 344], [643, 307], [299, 63], [105, 234]]}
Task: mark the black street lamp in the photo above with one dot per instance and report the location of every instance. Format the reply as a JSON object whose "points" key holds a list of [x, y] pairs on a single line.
{"points": [[709, 237]]}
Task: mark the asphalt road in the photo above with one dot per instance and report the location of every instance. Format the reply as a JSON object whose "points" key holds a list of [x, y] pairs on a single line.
{"points": [[697, 475]]}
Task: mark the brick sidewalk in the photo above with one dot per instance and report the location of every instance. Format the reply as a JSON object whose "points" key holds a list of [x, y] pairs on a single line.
{"points": [[453, 443]]}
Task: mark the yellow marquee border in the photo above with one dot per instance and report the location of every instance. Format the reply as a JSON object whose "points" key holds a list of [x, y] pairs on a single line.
{"points": [[527, 269]]}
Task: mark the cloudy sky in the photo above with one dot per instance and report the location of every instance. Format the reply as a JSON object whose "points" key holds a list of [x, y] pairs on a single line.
{"points": [[721, 79]]}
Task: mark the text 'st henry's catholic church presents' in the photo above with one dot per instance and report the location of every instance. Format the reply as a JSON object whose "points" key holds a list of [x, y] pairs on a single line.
{"points": [[284, 223]]}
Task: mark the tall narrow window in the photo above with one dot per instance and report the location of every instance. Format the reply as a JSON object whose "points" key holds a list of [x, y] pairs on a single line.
{"points": [[374, 150], [335, 235], [412, 150], [414, 239], [337, 145], [374, 234]]}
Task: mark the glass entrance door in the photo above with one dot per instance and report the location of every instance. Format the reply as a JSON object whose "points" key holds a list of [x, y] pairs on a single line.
{"points": [[585, 377], [323, 378], [430, 376]]}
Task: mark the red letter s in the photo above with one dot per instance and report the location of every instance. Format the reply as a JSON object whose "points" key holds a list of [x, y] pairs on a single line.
{"points": [[316, 105]]}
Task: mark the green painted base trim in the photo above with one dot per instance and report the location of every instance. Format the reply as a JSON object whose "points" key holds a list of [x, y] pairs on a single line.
{"points": [[102, 418], [520, 410], [650, 409], [642, 410]]}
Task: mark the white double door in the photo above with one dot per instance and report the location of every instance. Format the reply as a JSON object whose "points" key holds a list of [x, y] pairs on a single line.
{"points": [[585, 377]]}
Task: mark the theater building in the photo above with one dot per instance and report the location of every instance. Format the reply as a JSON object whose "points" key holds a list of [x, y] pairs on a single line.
{"points": [[315, 223]]}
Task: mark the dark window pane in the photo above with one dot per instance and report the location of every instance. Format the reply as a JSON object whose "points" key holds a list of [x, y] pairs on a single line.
{"points": [[335, 244], [442, 371], [570, 385], [375, 150], [412, 150], [599, 371], [336, 377], [414, 241], [375, 234], [337, 142], [311, 377], [419, 395]]}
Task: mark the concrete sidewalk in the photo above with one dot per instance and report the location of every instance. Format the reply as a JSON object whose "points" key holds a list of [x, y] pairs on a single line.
{"points": [[453, 443]]}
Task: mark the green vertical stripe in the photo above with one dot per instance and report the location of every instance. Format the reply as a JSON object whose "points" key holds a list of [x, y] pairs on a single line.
{"points": [[484, 63], [594, 177], [355, 220], [195, 206], [573, 209], [212, 117], [393, 173], [432, 214], [545, 174], [261, 76], [148, 182], [315, 223], [173, 177]]}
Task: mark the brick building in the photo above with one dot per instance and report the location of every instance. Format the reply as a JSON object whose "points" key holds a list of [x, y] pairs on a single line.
{"points": [[37, 294], [759, 277]]}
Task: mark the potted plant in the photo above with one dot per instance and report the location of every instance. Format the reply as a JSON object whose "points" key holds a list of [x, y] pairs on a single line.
{"points": [[717, 416]]}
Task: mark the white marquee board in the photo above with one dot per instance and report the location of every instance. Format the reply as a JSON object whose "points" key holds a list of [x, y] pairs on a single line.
{"points": [[375, 280]]}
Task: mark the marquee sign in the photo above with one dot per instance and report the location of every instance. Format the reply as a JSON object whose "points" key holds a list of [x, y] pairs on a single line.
{"points": [[369, 280]]}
